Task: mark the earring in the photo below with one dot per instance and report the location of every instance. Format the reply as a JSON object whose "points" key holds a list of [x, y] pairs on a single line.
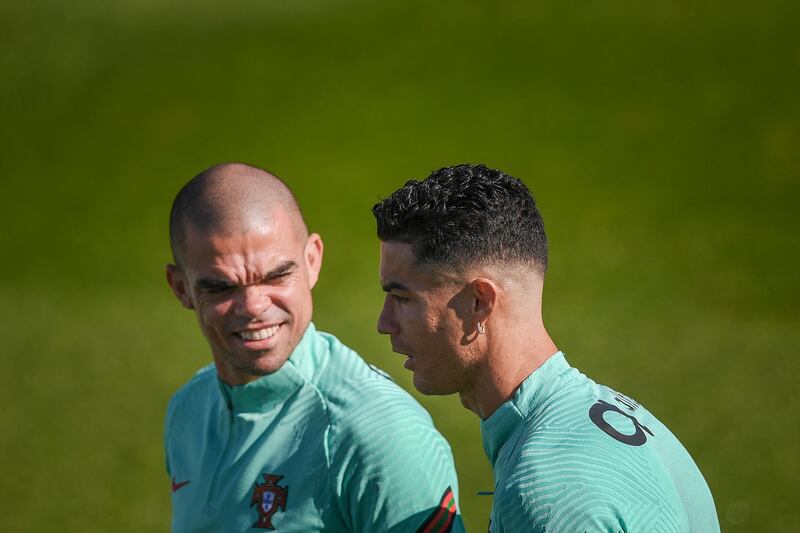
{"points": [[481, 328]]}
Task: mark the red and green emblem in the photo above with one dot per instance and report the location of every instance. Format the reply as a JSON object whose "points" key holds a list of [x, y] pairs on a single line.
{"points": [[268, 498]]}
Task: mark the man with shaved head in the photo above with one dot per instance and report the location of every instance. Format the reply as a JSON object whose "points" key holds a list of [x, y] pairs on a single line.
{"points": [[287, 429]]}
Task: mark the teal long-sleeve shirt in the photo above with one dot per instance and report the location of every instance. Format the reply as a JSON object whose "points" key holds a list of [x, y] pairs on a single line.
{"points": [[327, 443], [571, 455]]}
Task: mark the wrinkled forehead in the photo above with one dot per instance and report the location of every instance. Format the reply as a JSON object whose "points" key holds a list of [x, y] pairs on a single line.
{"points": [[255, 249]]}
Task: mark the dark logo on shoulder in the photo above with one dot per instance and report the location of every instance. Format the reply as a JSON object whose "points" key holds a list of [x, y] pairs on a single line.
{"points": [[598, 410], [268, 498]]}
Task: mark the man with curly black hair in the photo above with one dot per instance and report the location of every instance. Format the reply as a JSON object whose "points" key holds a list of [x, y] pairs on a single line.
{"points": [[463, 262]]}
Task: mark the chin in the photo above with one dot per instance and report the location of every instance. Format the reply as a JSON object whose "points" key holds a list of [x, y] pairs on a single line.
{"points": [[261, 366], [269, 365], [430, 389]]}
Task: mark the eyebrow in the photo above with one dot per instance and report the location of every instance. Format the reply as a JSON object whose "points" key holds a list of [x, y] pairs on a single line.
{"points": [[218, 283], [281, 269], [393, 285], [212, 284]]}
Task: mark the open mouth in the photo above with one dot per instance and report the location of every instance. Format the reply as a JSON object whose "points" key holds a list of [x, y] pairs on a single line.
{"points": [[259, 334], [400, 350]]}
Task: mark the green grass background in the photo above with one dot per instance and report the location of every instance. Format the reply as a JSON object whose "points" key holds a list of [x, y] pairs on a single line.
{"points": [[661, 139]]}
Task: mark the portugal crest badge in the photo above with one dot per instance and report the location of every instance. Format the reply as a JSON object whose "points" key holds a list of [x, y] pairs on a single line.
{"points": [[268, 498]]}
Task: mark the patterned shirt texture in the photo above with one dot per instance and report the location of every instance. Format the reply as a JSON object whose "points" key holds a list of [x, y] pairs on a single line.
{"points": [[327, 443], [571, 455]]}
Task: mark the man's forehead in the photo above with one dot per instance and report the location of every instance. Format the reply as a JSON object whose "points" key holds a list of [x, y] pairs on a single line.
{"points": [[261, 247], [400, 270], [221, 231], [393, 251]]}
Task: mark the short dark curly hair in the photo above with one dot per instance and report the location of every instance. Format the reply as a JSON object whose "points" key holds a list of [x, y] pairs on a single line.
{"points": [[465, 215]]}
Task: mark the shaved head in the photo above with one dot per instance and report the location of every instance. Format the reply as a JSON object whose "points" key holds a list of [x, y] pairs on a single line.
{"points": [[230, 199], [245, 264]]}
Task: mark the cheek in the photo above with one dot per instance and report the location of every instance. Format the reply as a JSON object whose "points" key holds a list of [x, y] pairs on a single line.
{"points": [[448, 331], [412, 318], [287, 298], [295, 298], [211, 311]]}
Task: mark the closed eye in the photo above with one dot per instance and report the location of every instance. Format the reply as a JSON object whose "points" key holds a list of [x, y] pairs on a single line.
{"points": [[218, 290], [284, 270], [210, 286]]}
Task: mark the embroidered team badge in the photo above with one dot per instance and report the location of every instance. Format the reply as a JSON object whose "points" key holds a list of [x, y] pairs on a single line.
{"points": [[442, 518], [268, 498]]}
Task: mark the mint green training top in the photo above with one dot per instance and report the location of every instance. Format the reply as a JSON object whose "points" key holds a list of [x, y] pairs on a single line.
{"points": [[327, 443], [571, 455]]}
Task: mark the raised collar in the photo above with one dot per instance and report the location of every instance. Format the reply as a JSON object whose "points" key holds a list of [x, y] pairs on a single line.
{"points": [[542, 382], [268, 391]]}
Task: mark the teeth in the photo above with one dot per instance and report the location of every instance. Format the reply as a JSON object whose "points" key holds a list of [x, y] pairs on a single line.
{"points": [[259, 334]]}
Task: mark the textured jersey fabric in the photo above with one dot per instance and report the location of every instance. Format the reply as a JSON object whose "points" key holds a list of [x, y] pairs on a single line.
{"points": [[571, 455], [327, 443]]}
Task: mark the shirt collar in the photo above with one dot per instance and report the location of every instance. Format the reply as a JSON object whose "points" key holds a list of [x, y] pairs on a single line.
{"points": [[268, 391], [538, 386]]}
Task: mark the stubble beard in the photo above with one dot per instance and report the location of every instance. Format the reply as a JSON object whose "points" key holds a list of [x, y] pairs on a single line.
{"points": [[248, 364]]}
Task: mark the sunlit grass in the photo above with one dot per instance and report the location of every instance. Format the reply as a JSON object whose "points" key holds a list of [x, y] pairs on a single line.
{"points": [[661, 143]]}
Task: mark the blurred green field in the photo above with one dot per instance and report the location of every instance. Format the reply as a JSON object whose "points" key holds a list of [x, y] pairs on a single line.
{"points": [[662, 141]]}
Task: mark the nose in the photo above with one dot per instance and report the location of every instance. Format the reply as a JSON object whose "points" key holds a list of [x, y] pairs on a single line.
{"points": [[387, 324], [252, 301]]}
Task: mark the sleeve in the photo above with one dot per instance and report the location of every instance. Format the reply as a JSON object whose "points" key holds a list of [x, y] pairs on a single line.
{"points": [[392, 470]]}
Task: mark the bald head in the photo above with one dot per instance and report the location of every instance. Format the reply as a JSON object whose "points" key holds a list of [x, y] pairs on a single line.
{"points": [[228, 199]]}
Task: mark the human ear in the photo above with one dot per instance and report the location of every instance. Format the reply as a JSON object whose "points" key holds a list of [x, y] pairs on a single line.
{"points": [[313, 257], [484, 298], [177, 282]]}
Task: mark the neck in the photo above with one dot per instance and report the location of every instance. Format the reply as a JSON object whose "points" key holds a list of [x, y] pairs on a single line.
{"points": [[507, 361]]}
